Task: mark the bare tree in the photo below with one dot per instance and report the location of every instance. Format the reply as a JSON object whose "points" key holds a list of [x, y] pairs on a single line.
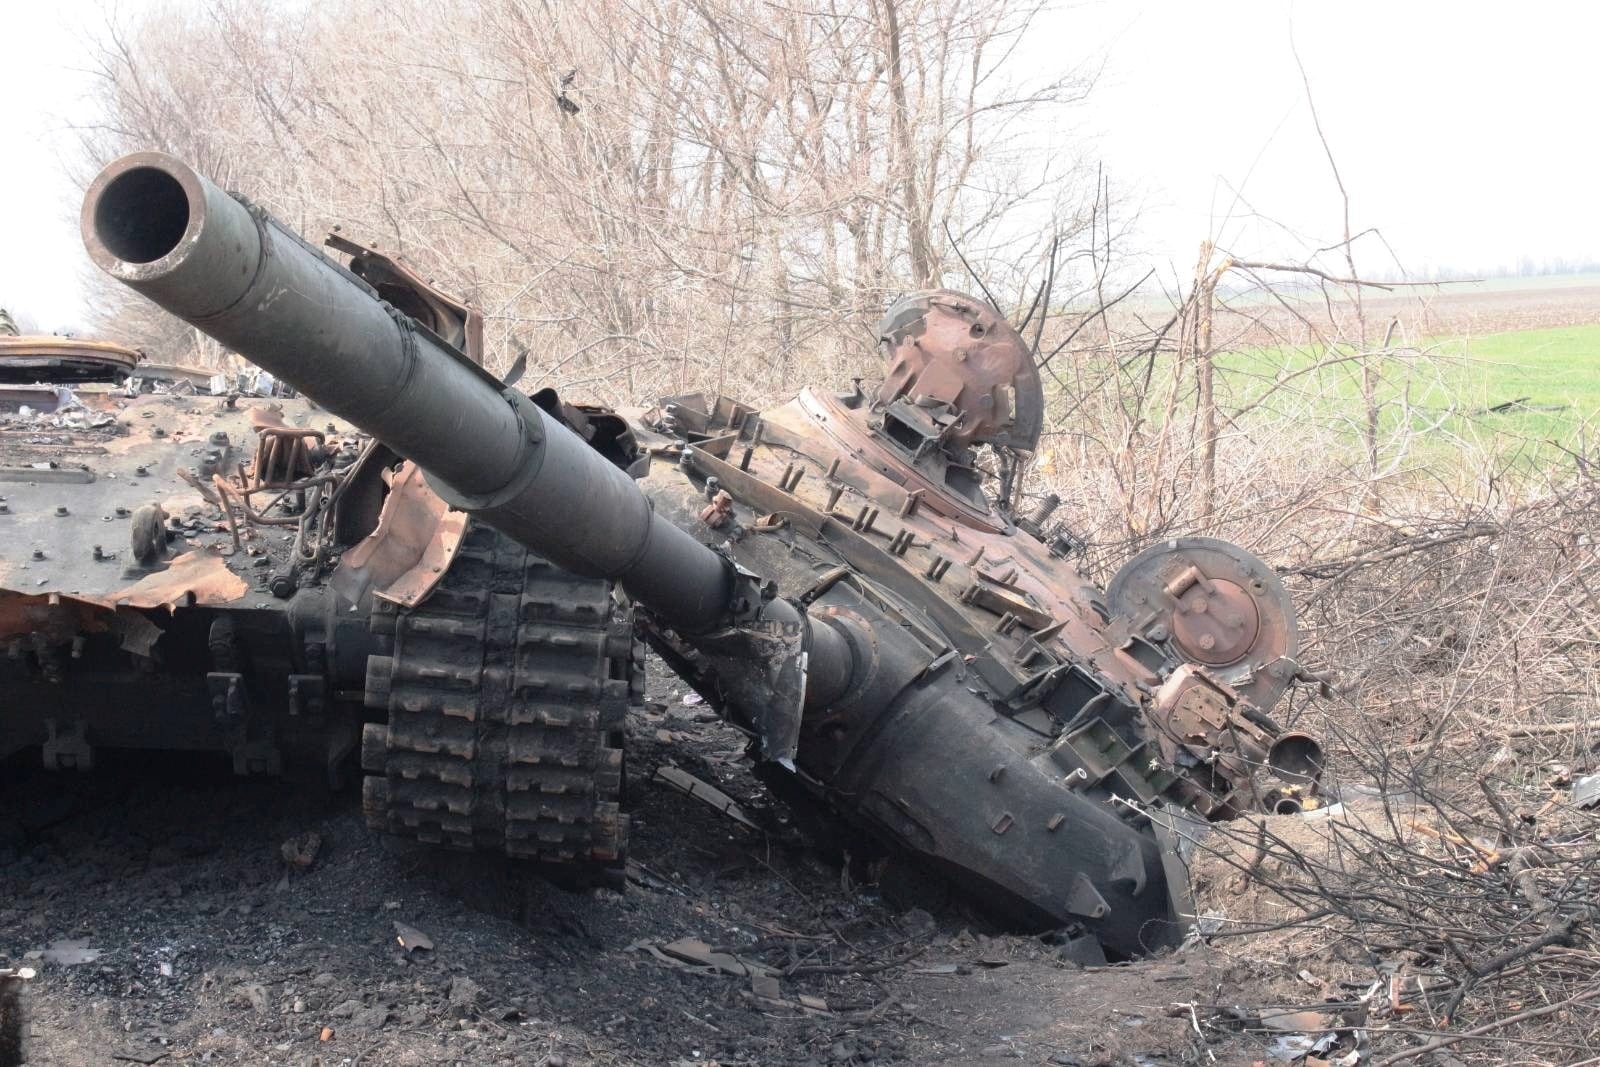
{"points": [[653, 196]]}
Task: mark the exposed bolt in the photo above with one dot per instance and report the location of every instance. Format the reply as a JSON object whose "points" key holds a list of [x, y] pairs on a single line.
{"points": [[122, 512], [4, 508], [159, 431], [38, 553], [99, 553], [61, 509], [143, 472], [219, 438], [1046, 508]]}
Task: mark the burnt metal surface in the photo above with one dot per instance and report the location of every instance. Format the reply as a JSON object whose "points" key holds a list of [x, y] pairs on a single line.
{"points": [[410, 549], [454, 322], [153, 593], [73, 479], [838, 576]]}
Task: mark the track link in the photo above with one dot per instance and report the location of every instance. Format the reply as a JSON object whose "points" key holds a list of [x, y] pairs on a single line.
{"points": [[506, 693]]}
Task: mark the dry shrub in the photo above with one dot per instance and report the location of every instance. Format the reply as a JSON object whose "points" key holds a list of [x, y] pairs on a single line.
{"points": [[1446, 585], [1429, 917]]}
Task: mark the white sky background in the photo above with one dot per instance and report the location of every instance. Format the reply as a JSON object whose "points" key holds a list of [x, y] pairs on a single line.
{"points": [[1465, 131]]}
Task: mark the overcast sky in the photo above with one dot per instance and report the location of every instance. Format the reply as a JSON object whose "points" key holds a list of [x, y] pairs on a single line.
{"points": [[1465, 131]]}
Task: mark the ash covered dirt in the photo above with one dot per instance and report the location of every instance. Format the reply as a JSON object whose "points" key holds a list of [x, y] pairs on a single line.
{"points": [[209, 948]]}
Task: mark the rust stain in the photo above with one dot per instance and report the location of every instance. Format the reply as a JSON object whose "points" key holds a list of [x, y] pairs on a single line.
{"points": [[64, 616], [197, 578], [947, 349], [266, 417]]}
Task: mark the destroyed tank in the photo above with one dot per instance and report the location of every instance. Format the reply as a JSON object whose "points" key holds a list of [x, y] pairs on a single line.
{"points": [[837, 576]]}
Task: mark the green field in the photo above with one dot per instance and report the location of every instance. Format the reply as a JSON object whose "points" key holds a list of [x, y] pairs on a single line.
{"points": [[1546, 381], [1558, 370]]}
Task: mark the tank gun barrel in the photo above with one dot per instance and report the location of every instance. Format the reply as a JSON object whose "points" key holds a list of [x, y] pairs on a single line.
{"points": [[156, 225]]}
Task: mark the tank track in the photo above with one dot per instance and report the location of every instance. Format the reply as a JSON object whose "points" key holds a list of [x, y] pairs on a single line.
{"points": [[506, 692]]}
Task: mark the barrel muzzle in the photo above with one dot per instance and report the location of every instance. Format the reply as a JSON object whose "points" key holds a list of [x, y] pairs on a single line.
{"points": [[142, 221]]}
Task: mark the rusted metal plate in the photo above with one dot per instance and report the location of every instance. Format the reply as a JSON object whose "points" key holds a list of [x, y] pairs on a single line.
{"points": [[57, 616], [1215, 605], [195, 579], [413, 545], [905, 545], [397, 281]]}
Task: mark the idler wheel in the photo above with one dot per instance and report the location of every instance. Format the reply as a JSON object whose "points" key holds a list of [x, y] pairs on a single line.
{"points": [[1211, 603], [1217, 625]]}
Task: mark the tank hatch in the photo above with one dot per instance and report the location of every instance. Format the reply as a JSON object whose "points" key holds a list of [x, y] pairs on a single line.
{"points": [[31, 360]]}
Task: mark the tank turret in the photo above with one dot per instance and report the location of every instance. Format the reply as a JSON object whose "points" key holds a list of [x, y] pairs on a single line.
{"points": [[838, 576]]}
